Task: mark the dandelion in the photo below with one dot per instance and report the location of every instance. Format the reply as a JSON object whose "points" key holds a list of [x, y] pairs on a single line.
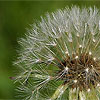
{"points": [[60, 57]]}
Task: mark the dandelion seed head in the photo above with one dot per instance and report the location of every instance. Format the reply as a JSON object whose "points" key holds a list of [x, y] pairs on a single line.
{"points": [[63, 47]]}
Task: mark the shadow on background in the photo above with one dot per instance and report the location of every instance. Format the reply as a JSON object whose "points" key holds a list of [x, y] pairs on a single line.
{"points": [[15, 16]]}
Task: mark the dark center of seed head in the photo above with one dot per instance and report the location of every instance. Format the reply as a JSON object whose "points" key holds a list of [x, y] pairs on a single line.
{"points": [[81, 71]]}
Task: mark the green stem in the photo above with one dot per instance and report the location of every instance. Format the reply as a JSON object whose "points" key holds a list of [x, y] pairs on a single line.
{"points": [[59, 91]]}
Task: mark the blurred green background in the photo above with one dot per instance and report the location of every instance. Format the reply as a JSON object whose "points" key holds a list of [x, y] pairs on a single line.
{"points": [[15, 17]]}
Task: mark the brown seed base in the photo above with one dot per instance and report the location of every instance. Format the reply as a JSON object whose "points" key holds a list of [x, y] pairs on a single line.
{"points": [[82, 72]]}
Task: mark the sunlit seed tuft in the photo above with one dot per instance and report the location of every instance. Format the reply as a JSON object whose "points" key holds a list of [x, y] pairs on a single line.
{"points": [[76, 57], [80, 46], [98, 85], [75, 81], [88, 90], [90, 53], [66, 68], [87, 69], [94, 58]]}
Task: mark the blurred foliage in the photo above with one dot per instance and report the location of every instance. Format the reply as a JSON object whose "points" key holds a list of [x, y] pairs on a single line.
{"points": [[15, 16]]}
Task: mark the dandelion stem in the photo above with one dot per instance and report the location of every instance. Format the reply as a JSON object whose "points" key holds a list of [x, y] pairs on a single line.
{"points": [[59, 91]]}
